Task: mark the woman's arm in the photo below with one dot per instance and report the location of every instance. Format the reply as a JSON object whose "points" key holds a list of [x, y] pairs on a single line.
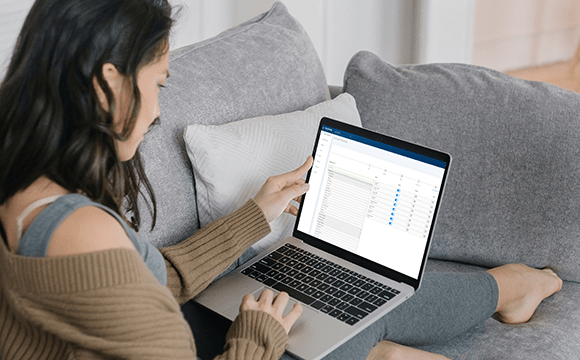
{"points": [[198, 260], [195, 262]]}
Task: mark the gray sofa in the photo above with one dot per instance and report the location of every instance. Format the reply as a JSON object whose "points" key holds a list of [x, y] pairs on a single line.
{"points": [[514, 187]]}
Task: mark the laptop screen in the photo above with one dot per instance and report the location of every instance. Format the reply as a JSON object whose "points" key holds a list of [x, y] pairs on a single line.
{"points": [[372, 198]]}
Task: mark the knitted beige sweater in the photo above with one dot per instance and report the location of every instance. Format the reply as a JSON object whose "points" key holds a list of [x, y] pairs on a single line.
{"points": [[109, 305]]}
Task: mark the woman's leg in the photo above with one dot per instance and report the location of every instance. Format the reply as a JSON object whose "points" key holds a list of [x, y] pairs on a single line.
{"points": [[448, 304], [520, 291]]}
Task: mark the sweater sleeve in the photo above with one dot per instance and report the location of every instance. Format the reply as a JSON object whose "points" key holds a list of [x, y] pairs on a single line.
{"points": [[255, 335], [195, 262]]}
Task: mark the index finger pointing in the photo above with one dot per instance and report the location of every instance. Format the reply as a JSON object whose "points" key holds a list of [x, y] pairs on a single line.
{"points": [[297, 173]]}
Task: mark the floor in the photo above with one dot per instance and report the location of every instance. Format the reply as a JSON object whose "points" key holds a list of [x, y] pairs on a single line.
{"points": [[564, 74]]}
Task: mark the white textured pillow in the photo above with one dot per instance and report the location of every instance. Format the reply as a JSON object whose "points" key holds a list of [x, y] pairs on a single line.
{"points": [[231, 162]]}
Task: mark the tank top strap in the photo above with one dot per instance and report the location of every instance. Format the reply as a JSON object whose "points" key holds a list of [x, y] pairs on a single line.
{"points": [[34, 242], [30, 208]]}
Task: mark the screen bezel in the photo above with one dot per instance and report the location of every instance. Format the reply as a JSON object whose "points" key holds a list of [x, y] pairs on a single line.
{"points": [[354, 258]]}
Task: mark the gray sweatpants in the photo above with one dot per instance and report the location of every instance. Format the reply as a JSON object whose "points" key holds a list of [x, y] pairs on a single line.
{"points": [[446, 305]]}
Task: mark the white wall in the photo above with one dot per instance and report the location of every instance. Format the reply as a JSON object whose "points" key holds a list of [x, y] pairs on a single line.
{"points": [[12, 15], [399, 31], [444, 31], [337, 28], [512, 34]]}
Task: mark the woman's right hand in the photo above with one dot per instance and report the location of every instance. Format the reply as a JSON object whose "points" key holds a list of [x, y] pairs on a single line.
{"points": [[274, 307]]}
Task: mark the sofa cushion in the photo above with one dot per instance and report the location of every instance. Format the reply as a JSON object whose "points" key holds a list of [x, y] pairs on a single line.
{"points": [[231, 162], [513, 193], [265, 66]]}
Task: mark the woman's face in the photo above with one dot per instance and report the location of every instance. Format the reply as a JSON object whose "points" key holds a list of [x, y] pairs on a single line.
{"points": [[150, 79]]}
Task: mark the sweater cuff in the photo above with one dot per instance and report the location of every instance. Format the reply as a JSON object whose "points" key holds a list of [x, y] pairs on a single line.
{"points": [[259, 333]]}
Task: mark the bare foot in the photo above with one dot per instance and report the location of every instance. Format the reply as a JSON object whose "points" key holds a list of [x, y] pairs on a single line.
{"points": [[521, 290], [387, 350]]}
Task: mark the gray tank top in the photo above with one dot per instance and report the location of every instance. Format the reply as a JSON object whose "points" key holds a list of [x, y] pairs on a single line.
{"points": [[35, 240]]}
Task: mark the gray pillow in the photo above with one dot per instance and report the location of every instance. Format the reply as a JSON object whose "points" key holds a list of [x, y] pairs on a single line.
{"points": [[514, 185], [265, 66]]}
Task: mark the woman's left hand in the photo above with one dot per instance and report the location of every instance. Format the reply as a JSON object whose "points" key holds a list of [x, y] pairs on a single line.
{"points": [[275, 195]]}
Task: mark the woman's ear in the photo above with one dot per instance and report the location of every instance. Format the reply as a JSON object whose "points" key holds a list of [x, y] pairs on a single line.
{"points": [[115, 81]]}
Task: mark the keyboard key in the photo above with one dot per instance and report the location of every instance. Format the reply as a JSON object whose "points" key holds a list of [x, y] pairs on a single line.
{"points": [[322, 276], [371, 298], [275, 255], [342, 276], [367, 307], [330, 280], [351, 279], [323, 286], [338, 283], [310, 291], [386, 295], [292, 272], [326, 298], [269, 282], [346, 287], [351, 321], [335, 313], [315, 283], [354, 291], [267, 261], [285, 260], [318, 294], [294, 284], [331, 290], [261, 268], [356, 301], [356, 312], [294, 294], [302, 287], [315, 273], [327, 309], [343, 317], [318, 305], [272, 273], [380, 302], [347, 297], [342, 306], [367, 286]]}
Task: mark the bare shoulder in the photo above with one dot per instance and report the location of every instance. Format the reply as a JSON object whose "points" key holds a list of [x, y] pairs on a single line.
{"points": [[88, 229]]}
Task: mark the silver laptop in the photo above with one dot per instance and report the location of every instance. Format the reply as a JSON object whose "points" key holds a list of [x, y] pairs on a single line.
{"points": [[360, 241]]}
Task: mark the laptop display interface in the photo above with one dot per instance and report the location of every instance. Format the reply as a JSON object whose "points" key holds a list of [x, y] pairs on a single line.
{"points": [[372, 199]]}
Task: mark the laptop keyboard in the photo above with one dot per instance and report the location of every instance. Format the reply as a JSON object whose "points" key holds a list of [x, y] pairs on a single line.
{"points": [[334, 290]]}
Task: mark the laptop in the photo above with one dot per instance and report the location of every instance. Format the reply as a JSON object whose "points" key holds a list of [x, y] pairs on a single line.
{"points": [[360, 241]]}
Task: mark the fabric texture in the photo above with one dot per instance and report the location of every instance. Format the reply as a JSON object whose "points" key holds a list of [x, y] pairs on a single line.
{"points": [[107, 304], [513, 193], [231, 162], [265, 66]]}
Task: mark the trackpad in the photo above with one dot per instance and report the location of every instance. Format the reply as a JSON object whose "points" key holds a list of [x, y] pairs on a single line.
{"points": [[307, 313]]}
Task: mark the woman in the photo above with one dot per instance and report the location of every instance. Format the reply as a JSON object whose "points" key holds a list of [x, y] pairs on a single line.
{"points": [[76, 281]]}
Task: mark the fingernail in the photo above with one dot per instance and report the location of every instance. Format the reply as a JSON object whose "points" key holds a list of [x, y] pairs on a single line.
{"points": [[306, 186]]}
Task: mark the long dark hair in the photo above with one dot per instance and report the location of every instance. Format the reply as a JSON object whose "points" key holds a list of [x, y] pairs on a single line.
{"points": [[51, 121]]}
